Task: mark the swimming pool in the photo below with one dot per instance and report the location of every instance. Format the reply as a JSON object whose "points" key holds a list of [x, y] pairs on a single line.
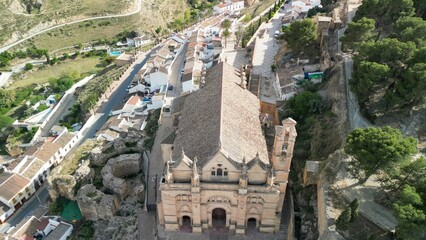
{"points": [[115, 53]]}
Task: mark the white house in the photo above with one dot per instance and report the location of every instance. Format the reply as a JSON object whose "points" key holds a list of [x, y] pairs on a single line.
{"points": [[156, 101], [229, 5], [141, 41], [47, 228], [14, 191], [157, 77], [31, 168]]}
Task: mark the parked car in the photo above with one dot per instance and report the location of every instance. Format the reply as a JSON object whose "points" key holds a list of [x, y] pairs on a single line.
{"points": [[278, 34]]}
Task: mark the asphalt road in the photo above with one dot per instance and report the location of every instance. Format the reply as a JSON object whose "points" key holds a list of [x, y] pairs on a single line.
{"points": [[27, 209], [68, 102], [116, 99], [34, 202], [138, 9]]}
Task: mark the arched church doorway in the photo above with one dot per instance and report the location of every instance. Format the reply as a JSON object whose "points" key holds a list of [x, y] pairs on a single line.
{"points": [[186, 224], [219, 218], [251, 225]]}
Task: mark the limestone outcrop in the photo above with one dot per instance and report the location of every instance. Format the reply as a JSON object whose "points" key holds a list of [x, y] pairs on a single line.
{"points": [[61, 185], [95, 205], [117, 169], [128, 142], [120, 228], [84, 173]]}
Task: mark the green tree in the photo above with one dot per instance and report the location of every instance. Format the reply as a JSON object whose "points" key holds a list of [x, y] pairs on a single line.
{"points": [[28, 66], [342, 222], [4, 62], [408, 172], [7, 98], [385, 11], [358, 32], [412, 87], [388, 51], [420, 6], [5, 121], [411, 29], [301, 36], [326, 3], [354, 209], [226, 24], [410, 210], [376, 149], [303, 105], [226, 34], [366, 76], [315, 10]]}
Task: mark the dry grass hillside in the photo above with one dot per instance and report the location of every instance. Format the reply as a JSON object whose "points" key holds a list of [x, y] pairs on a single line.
{"points": [[153, 15], [15, 21]]}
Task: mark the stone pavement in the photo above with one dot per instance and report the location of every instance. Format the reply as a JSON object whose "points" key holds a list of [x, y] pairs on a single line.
{"points": [[175, 75], [146, 225], [235, 57], [266, 46], [156, 160]]}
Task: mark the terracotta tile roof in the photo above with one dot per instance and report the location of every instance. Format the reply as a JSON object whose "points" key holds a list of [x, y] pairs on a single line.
{"points": [[12, 165], [34, 148], [133, 100], [187, 77], [221, 116], [25, 229], [11, 184], [43, 151], [64, 139], [33, 168], [43, 223]]}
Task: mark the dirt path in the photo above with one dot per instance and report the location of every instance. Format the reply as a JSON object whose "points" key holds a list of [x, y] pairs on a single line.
{"points": [[137, 10]]}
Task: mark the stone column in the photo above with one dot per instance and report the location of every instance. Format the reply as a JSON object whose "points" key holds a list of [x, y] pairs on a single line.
{"points": [[241, 212], [196, 209]]}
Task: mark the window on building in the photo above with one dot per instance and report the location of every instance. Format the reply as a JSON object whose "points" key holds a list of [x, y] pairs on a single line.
{"points": [[213, 173], [284, 147], [219, 171], [225, 173]]}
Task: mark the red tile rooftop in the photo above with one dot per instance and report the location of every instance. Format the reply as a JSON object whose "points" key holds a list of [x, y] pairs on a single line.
{"points": [[133, 100]]}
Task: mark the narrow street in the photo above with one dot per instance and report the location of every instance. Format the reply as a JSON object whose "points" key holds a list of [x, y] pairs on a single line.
{"points": [[164, 130], [34, 206], [116, 97]]}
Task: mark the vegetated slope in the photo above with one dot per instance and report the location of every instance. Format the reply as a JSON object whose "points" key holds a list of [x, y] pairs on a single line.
{"points": [[18, 17], [153, 14], [156, 13], [390, 62]]}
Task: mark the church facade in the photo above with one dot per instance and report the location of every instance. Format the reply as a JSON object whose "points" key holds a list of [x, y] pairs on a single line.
{"points": [[218, 170]]}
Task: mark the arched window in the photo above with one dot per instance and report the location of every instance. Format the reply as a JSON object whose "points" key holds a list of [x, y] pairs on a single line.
{"points": [[219, 171]]}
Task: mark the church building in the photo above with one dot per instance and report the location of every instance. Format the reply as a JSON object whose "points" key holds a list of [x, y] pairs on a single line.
{"points": [[219, 171]]}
